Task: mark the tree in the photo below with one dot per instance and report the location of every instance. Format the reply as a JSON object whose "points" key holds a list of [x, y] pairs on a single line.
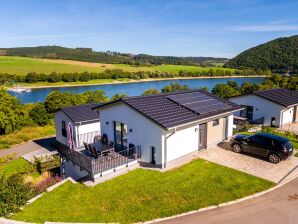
{"points": [[150, 92], [224, 91], [39, 114], [97, 96], [174, 87], [55, 100], [204, 88], [9, 112], [233, 84], [247, 88], [118, 96]]}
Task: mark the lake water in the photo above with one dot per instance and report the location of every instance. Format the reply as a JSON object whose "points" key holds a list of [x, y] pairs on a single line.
{"points": [[131, 89]]}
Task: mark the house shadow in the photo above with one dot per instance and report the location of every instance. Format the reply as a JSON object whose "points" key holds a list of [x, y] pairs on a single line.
{"points": [[47, 143]]}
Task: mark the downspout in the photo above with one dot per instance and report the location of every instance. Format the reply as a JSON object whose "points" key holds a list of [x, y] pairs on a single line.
{"points": [[165, 154], [78, 134]]}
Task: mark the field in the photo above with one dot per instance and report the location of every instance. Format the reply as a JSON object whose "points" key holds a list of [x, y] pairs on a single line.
{"points": [[24, 65], [143, 195]]}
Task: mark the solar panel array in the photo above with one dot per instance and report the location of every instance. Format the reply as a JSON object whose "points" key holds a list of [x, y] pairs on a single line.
{"points": [[199, 102]]}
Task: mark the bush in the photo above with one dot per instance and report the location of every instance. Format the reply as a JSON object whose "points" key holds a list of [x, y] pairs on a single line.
{"points": [[43, 185], [14, 193]]}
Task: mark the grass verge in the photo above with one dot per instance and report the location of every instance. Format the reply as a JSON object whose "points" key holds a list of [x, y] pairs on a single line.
{"points": [[144, 195], [25, 134]]}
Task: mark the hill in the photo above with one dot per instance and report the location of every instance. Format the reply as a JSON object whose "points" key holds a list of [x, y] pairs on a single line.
{"points": [[279, 55], [110, 57]]}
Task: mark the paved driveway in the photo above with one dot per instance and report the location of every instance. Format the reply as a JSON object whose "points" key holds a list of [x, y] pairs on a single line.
{"points": [[250, 164], [276, 207]]}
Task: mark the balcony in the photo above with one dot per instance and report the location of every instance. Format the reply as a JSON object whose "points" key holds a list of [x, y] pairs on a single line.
{"points": [[104, 162]]}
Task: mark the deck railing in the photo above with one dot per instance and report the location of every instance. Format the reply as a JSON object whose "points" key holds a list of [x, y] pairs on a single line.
{"points": [[103, 163]]}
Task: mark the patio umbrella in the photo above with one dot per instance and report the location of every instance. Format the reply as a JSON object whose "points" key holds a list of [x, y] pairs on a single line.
{"points": [[70, 137]]}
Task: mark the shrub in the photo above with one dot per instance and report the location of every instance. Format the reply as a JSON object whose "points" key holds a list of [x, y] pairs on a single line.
{"points": [[43, 185], [14, 193]]}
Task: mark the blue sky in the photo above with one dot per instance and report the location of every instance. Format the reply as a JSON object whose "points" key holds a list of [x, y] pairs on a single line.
{"points": [[221, 28]]}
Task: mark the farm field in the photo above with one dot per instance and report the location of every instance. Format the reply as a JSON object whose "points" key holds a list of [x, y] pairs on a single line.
{"points": [[24, 65]]}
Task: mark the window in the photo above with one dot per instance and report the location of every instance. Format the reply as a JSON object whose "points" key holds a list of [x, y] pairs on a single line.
{"points": [[64, 133], [268, 142], [256, 139], [215, 122]]}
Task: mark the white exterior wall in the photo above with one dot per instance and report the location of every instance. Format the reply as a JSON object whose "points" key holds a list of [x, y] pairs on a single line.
{"points": [[59, 117], [145, 133], [230, 125], [184, 141], [287, 115], [261, 108], [87, 131], [73, 170], [84, 132]]}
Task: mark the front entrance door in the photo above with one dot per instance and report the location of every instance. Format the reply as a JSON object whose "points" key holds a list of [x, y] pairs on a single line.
{"points": [[203, 136]]}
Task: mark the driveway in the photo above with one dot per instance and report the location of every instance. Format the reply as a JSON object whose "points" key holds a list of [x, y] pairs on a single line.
{"points": [[31, 148], [275, 207], [277, 173]]}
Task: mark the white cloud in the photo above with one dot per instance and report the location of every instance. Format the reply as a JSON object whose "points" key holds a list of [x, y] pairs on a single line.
{"points": [[265, 28]]}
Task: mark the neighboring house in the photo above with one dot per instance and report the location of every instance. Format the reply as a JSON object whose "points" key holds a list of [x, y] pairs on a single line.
{"points": [[84, 120], [273, 107], [167, 127]]}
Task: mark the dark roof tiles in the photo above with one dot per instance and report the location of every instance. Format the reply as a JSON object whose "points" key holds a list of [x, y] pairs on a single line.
{"points": [[284, 97], [168, 113], [82, 113]]}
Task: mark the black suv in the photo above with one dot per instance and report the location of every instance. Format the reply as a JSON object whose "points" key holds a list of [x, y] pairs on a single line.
{"points": [[273, 147]]}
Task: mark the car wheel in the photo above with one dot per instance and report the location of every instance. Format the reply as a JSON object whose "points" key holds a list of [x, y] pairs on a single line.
{"points": [[237, 148], [274, 158]]}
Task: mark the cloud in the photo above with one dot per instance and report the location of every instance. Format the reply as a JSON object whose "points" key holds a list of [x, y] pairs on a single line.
{"points": [[265, 28]]}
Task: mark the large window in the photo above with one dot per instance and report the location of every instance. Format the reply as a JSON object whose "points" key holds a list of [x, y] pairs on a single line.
{"points": [[247, 112], [64, 132], [120, 135]]}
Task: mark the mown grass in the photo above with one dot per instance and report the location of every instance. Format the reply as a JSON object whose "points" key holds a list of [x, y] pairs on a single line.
{"points": [[14, 166], [144, 195], [24, 65], [25, 134]]}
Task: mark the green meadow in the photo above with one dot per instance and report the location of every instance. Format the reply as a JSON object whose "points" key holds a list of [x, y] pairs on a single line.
{"points": [[24, 65]]}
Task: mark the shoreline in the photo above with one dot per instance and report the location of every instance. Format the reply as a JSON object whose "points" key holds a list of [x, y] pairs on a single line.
{"points": [[136, 81]]}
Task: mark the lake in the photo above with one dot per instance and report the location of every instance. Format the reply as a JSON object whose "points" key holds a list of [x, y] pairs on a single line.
{"points": [[131, 89]]}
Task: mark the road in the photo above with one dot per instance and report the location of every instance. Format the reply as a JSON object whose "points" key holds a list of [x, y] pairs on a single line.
{"points": [[276, 207]]}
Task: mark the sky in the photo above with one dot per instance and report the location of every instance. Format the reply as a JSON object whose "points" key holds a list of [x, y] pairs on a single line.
{"points": [[218, 28]]}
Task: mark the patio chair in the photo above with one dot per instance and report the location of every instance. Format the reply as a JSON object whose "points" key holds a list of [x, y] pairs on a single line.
{"points": [[97, 138], [95, 153], [87, 148]]}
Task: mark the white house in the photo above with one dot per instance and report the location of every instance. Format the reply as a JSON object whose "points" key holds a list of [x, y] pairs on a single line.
{"points": [[274, 107], [167, 127], [84, 120]]}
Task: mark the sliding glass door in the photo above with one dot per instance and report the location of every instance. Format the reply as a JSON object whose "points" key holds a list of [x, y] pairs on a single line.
{"points": [[120, 135]]}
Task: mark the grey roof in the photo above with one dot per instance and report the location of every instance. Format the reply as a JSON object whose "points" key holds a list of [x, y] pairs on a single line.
{"points": [[82, 113], [284, 97], [168, 113]]}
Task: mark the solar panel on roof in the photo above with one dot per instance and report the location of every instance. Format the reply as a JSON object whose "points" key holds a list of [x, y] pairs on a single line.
{"points": [[198, 102]]}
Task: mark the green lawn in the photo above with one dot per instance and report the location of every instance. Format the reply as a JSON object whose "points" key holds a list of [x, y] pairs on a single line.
{"points": [[14, 166], [25, 134], [144, 195], [24, 65]]}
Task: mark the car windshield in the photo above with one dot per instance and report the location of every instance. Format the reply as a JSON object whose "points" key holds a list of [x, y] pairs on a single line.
{"points": [[287, 145]]}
